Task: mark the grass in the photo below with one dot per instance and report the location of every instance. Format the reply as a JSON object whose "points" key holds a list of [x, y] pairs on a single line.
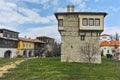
{"points": [[53, 69], [5, 61]]}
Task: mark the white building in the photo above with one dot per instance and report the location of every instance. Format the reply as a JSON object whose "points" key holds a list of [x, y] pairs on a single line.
{"points": [[8, 43], [106, 48], [105, 37]]}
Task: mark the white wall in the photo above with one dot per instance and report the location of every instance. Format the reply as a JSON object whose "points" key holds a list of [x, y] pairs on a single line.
{"points": [[13, 52], [105, 38], [106, 50]]}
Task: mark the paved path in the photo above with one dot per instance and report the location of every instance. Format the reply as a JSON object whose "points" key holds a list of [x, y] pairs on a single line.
{"points": [[5, 68]]}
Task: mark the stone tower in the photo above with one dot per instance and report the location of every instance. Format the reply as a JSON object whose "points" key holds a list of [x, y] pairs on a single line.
{"points": [[77, 28]]}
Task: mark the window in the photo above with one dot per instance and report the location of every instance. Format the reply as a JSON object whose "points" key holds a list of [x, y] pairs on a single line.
{"points": [[91, 22], [103, 37], [23, 45], [104, 48], [85, 22], [8, 35], [98, 34], [97, 22], [91, 33], [60, 22], [26, 45], [107, 51], [29, 45], [1, 31], [82, 37]]}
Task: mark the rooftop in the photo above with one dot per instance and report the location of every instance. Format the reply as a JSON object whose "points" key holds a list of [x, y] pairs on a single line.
{"points": [[37, 40], [82, 13], [8, 30], [110, 43], [105, 35], [26, 39], [44, 37]]}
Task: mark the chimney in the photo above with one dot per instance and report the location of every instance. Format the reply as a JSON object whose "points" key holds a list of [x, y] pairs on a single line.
{"points": [[68, 8], [72, 7]]}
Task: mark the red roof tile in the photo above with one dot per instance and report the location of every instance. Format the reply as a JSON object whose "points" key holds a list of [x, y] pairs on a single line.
{"points": [[37, 40], [105, 35], [105, 43], [26, 39]]}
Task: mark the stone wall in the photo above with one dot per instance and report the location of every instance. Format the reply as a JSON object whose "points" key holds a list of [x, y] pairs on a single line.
{"points": [[71, 40]]}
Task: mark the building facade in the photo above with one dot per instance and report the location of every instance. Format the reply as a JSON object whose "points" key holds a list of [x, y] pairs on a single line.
{"points": [[106, 48], [77, 28], [105, 37], [38, 47], [49, 46], [8, 43], [109, 47], [26, 47]]}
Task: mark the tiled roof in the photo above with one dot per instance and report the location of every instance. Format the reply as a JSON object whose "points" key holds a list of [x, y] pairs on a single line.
{"points": [[37, 40], [26, 39], [31, 40], [115, 43], [110, 43], [105, 43], [105, 35], [8, 30], [44, 37]]}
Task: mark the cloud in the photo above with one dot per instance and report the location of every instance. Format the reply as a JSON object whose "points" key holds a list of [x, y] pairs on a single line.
{"points": [[8, 27], [46, 3], [51, 31], [112, 30], [98, 0], [12, 15], [37, 1], [113, 9]]}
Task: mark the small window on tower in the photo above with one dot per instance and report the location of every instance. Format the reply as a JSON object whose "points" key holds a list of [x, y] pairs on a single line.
{"points": [[91, 22], [60, 22], [97, 22], [85, 22], [82, 37]]}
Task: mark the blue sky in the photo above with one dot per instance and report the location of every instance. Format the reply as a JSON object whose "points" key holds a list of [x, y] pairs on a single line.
{"points": [[34, 18]]}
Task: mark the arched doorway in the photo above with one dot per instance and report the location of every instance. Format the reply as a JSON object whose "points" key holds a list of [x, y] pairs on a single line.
{"points": [[30, 53], [24, 53], [7, 54]]}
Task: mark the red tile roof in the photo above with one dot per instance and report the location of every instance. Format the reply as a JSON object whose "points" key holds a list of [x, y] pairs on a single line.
{"points": [[105, 43], [105, 35], [115, 43], [110, 43], [26, 39], [37, 40]]}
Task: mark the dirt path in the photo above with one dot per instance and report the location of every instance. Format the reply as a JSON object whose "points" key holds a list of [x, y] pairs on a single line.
{"points": [[5, 68]]}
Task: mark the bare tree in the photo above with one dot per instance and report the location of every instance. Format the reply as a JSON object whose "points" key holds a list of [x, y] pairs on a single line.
{"points": [[90, 50]]}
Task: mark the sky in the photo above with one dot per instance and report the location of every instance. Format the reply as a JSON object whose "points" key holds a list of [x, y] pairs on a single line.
{"points": [[33, 18]]}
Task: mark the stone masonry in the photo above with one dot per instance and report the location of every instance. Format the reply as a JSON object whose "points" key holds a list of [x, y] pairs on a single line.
{"points": [[74, 35]]}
